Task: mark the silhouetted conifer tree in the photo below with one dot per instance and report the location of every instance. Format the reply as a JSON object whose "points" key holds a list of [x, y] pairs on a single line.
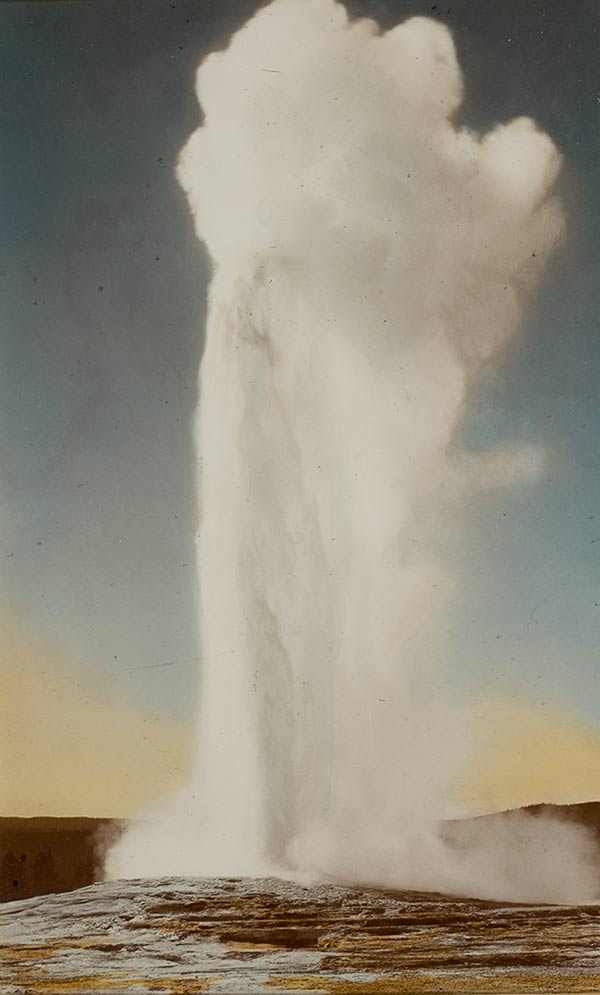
{"points": [[10, 876]]}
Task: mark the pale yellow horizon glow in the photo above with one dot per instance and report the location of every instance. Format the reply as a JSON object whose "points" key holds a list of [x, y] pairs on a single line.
{"points": [[525, 754], [69, 747]]}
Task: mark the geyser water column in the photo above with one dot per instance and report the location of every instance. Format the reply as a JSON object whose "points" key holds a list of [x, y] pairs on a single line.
{"points": [[369, 255]]}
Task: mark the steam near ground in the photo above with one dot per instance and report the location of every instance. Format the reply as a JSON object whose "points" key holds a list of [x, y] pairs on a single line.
{"points": [[369, 256]]}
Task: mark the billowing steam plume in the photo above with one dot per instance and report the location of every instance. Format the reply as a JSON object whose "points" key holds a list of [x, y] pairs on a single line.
{"points": [[369, 256]]}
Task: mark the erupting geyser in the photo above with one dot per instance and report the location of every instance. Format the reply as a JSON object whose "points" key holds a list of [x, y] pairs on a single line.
{"points": [[369, 256]]}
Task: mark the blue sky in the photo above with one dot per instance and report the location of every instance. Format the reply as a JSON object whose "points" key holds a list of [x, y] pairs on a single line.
{"points": [[103, 290]]}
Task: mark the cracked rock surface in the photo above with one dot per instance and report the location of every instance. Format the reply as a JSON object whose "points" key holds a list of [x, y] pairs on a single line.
{"points": [[235, 936]]}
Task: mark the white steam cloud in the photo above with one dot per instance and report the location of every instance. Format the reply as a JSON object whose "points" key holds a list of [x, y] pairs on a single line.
{"points": [[369, 255]]}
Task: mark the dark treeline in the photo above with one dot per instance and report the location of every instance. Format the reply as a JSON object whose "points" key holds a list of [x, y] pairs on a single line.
{"points": [[23, 876], [41, 856]]}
